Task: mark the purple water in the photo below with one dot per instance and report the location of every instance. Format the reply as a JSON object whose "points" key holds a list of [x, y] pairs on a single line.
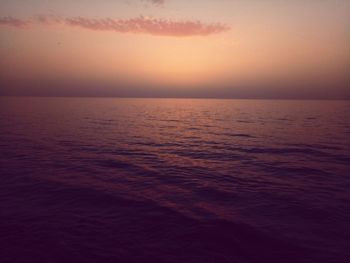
{"points": [[167, 180]]}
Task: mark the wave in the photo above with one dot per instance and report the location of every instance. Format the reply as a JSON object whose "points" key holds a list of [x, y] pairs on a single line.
{"points": [[62, 223]]}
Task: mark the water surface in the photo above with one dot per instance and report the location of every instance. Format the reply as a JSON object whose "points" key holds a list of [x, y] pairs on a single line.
{"points": [[174, 180]]}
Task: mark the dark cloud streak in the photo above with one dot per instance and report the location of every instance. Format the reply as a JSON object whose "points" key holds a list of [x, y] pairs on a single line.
{"points": [[139, 25], [14, 22], [155, 2]]}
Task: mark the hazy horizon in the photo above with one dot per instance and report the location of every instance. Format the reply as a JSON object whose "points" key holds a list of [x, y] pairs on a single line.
{"points": [[144, 48], [175, 98]]}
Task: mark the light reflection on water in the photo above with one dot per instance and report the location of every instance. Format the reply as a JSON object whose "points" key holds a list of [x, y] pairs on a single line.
{"points": [[277, 166]]}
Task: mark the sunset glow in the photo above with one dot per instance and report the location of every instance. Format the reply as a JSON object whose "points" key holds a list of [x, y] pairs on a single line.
{"points": [[174, 46]]}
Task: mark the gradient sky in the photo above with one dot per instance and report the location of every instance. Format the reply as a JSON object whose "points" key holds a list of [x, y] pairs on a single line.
{"points": [[175, 48]]}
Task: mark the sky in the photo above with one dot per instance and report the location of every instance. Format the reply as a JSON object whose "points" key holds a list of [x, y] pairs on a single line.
{"points": [[175, 48]]}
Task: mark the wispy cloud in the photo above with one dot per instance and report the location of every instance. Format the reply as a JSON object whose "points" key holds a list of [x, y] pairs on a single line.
{"points": [[152, 26], [139, 25], [155, 2], [14, 22]]}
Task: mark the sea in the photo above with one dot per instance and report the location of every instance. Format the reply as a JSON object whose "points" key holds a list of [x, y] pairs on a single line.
{"points": [[109, 180]]}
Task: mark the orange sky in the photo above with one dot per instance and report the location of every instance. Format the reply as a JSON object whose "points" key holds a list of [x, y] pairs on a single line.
{"points": [[104, 47]]}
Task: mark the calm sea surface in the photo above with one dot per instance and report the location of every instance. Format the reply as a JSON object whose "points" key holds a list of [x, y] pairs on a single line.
{"points": [[167, 180]]}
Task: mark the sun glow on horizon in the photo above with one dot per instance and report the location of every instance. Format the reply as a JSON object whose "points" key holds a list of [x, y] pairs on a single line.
{"points": [[280, 43]]}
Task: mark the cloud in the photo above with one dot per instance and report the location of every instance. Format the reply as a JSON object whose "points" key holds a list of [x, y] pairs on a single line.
{"points": [[14, 22], [156, 2], [139, 25], [152, 26]]}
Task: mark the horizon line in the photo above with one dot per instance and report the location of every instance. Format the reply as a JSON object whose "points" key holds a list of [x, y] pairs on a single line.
{"points": [[174, 97]]}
